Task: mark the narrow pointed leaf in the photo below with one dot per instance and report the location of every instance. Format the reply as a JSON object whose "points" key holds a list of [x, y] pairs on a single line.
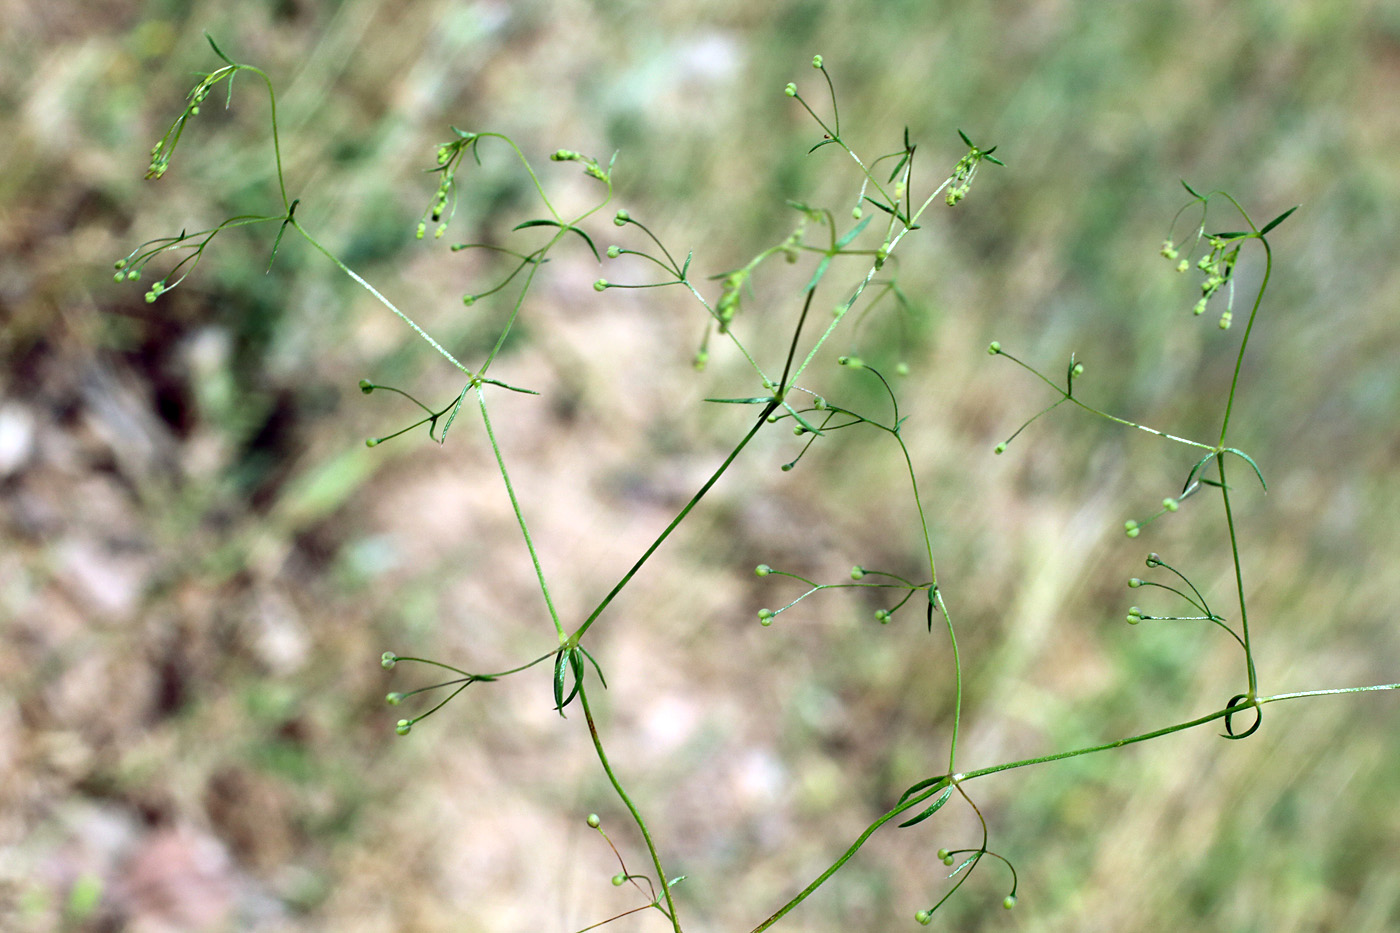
{"points": [[964, 138], [452, 416], [559, 682], [921, 785], [1191, 477], [1189, 189], [853, 232], [601, 679], [1250, 460], [824, 142], [817, 276], [759, 400], [942, 799], [1278, 220], [802, 421], [1230, 235], [554, 223], [899, 165], [218, 51]]}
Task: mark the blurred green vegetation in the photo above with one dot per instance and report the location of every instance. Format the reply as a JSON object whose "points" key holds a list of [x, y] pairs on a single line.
{"points": [[200, 564]]}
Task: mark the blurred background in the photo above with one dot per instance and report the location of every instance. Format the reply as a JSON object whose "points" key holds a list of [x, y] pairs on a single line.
{"points": [[200, 562]]}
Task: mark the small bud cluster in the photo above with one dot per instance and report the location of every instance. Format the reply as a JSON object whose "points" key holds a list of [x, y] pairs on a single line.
{"points": [[590, 165], [729, 297], [449, 158], [961, 180], [1218, 267]]}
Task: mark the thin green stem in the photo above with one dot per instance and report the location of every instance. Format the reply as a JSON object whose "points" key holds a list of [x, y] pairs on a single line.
{"points": [[694, 500], [335, 260], [519, 515], [1239, 576], [631, 807]]}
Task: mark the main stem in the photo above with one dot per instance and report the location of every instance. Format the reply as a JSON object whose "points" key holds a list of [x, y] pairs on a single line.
{"points": [[631, 807]]}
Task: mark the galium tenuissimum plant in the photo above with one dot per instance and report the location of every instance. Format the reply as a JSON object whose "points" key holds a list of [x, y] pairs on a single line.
{"points": [[850, 251]]}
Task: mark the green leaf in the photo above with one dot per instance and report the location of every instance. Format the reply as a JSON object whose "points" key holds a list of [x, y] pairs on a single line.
{"points": [[559, 682], [921, 785], [899, 165], [942, 799], [1278, 220], [853, 233], [824, 142], [817, 276], [1250, 460], [1231, 708], [966, 140], [757, 400], [218, 51], [686, 268], [802, 421], [277, 243], [562, 226], [1191, 477], [1190, 190], [452, 415], [1231, 235], [601, 679]]}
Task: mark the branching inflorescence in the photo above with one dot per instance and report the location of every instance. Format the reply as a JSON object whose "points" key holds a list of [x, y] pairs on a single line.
{"points": [[884, 209]]}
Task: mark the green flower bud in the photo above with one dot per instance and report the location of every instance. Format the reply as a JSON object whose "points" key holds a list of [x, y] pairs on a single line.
{"points": [[856, 212], [619, 880], [943, 855], [901, 369], [994, 348], [1078, 369], [765, 616], [614, 252], [1009, 901], [403, 726], [1000, 448], [816, 61], [387, 660], [393, 699], [923, 917], [599, 285], [593, 820], [790, 90], [857, 572], [1134, 583], [1183, 266], [1132, 528], [882, 616], [762, 570], [1170, 504], [621, 218]]}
